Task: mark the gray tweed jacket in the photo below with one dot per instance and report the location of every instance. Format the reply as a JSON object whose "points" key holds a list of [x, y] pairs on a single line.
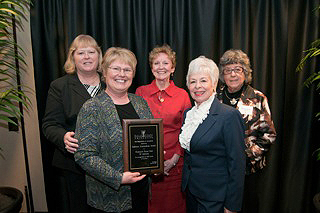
{"points": [[100, 151]]}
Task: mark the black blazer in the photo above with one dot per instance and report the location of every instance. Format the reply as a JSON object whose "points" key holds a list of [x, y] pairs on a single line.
{"points": [[214, 169], [66, 96]]}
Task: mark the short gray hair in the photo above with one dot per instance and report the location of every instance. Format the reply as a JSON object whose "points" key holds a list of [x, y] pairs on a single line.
{"points": [[204, 65], [233, 56]]}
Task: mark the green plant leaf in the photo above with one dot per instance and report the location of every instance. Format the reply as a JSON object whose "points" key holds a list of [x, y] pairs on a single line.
{"points": [[10, 112], [315, 53], [317, 153], [7, 119], [312, 52], [8, 10], [10, 53]]}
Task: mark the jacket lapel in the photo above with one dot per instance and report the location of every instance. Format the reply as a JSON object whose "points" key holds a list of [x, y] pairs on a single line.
{"points": [[247, 93], [77, 87], [206, 125]]}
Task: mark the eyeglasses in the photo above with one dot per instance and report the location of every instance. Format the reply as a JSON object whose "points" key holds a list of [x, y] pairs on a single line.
{"points": [[236, 70], [118, 70]]}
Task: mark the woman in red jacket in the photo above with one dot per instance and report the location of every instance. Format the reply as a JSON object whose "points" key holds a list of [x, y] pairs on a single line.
{"points": [[166, 101]]}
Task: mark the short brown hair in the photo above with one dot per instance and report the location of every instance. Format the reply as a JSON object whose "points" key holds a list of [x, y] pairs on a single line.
{"points": [[236, 57]]}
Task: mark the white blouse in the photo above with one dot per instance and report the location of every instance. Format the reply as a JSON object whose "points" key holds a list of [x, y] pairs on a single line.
{"points": [[194, 118]]}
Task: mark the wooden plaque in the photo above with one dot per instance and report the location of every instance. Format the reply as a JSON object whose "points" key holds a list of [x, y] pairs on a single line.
{"points": [[143, 145]]}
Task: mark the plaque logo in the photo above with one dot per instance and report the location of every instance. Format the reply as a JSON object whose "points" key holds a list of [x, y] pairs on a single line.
{"points": [[143, 132], [143, 145], [143, 135]]}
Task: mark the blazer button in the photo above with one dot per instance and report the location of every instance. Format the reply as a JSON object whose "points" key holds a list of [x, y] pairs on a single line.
{"points": [[189, 167]]}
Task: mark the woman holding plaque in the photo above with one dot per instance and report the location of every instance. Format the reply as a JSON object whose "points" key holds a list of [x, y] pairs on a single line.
{"points": [[168, 102], [99, 132], [213, 138]]}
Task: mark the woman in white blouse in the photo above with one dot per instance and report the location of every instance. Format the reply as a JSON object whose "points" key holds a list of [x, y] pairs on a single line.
{"points": [[213, 138]]}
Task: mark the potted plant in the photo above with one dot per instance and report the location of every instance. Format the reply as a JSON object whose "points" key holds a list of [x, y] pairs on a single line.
{"points": [[313, 51], [12, 96], [314, 78], [11, 63], [10, 200]]}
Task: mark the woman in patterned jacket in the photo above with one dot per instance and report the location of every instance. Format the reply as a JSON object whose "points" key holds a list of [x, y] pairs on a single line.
{"points": [[99, 131], [236, 75]]}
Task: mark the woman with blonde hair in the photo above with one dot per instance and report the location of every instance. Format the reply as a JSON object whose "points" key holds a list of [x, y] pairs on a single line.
{"points": [[66, 95], [99, 131]]}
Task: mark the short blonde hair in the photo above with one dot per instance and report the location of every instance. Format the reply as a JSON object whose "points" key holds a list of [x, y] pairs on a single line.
{"points": [[233, 56], [81, 41], [204, 65], [163, 49], [119, 54]]}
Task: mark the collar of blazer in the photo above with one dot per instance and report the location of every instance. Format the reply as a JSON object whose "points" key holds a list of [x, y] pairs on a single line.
{"points": [[207, 123], [109, 112], [247, 93], [77, 87]]}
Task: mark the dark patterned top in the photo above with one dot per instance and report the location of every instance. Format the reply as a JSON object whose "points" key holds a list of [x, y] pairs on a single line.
{"points": [[99, 133], [260, 131]]}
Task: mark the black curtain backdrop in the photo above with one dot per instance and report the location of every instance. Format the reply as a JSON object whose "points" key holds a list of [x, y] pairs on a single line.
{"points": [[273, 33]]}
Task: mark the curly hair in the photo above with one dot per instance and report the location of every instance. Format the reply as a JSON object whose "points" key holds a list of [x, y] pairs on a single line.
{"points": [[233, 56], [163, 49]]}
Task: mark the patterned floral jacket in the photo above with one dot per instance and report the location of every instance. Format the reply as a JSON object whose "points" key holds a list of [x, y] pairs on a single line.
{"points": [[260, 131], [99, 133]]}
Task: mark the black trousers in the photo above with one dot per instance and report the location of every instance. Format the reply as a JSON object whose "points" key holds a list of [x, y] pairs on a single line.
{"points": [[251, 194], [197, 205], [70, 189]]}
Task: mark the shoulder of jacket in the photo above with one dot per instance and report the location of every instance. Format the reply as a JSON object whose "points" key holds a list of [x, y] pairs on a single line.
{"points": [[134, 97], [63, 81]]}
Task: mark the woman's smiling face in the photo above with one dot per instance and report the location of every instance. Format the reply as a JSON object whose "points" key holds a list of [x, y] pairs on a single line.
{"points": [[236, 78], [118, 77], [162, 67], [200, 86], [86, 59]]}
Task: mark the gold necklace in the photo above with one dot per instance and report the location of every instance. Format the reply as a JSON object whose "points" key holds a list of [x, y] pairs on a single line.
{"points": [[233, 101], [161, 99]]}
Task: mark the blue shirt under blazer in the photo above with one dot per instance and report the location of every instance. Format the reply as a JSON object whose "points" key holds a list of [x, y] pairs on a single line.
{"points": [[214, 169]]}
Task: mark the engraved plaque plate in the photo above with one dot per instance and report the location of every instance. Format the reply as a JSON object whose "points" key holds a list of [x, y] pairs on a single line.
{"points": [[143, 145]]}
